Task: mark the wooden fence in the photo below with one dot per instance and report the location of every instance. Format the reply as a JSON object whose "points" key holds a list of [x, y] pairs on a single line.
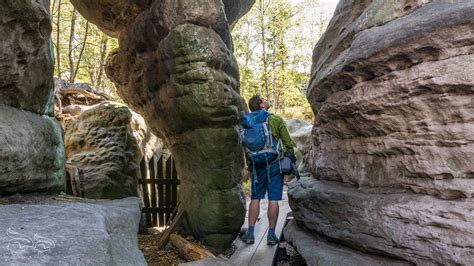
{"points": [[159, 185]]}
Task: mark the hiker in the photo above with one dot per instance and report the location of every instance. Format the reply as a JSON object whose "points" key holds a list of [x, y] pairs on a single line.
{"points": [[263, 163]]}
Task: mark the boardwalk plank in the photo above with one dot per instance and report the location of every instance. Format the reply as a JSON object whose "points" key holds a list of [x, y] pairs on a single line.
{"points": [[265, 254], [260, 253], [244, 252]]}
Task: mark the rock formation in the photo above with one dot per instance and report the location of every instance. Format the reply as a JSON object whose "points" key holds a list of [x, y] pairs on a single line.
{"points": [[394, 95], [85, 232], [31, 145], [105, 144], [319, 251], [300, 132], [175, 66]]}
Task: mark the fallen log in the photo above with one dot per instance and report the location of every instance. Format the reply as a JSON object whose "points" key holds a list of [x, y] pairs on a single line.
{"points": [[177, 222], [189, 250]]}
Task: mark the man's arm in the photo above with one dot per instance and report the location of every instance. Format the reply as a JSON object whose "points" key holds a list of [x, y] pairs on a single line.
{"points": [[288, 144]]}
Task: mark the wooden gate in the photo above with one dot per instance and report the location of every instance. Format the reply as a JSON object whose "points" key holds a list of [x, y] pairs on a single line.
{"points": [[159, 185]]}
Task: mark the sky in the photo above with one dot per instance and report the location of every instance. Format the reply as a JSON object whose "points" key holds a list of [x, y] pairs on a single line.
{"points": [[306, 30]]}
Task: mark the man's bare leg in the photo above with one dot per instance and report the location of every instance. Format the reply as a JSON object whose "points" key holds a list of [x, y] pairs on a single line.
{"points": [[254, 211], [273, 210]]}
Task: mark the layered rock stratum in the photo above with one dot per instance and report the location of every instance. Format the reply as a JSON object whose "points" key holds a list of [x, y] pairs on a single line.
{"points": [[394, 95], [31, 144], [175, 66], [392, 87]]}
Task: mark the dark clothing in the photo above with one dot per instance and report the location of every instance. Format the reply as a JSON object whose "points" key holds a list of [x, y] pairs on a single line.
{"points": [[270, 180]]}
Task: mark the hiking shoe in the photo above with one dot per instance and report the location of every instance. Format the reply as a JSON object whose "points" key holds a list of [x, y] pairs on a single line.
{"points": [[247, 238], [272, 240]]}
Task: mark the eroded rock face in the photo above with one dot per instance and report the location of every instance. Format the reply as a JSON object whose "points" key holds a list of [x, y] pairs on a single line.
{"points": [[111, 16], [318, 251], [394, 96], [31, 145], [395, 102], [419, 228], [26, 62], [106, 144], [31, 153], [234, 10], [175, 66]]}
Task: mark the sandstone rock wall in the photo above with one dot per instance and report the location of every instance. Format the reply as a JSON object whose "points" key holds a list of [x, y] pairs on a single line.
{"points": [[318, 251], [26, 61], [413, 227], [31, 144], [175, 66], [105, 144], [31, 152], [394, 95]]}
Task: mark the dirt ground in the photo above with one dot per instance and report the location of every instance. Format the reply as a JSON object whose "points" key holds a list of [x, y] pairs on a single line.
{"points": [[287, 255], [148, 245]]}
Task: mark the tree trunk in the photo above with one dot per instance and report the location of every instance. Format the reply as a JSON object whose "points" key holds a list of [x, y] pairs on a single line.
{"points": [[264, 49], [58, 57], [189, 250], [52, 8], [71, 47], [103, 54], [274, 72], [82, 51]]}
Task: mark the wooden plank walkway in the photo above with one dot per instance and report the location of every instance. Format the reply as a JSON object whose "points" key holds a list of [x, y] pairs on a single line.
{"points": [[258, 254]]}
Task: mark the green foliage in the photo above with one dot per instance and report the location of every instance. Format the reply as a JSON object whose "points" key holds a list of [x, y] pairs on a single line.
{"points": [[247, 187], [273, 46], [88, 54]]}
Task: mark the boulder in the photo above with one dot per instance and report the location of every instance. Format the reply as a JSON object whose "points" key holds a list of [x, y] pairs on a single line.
{"points": [[26, 59], [71, 233], [31, 153], [395, 97], [105, 144], [175, 66], [316, 250], [300, 132], [418, 228]]}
